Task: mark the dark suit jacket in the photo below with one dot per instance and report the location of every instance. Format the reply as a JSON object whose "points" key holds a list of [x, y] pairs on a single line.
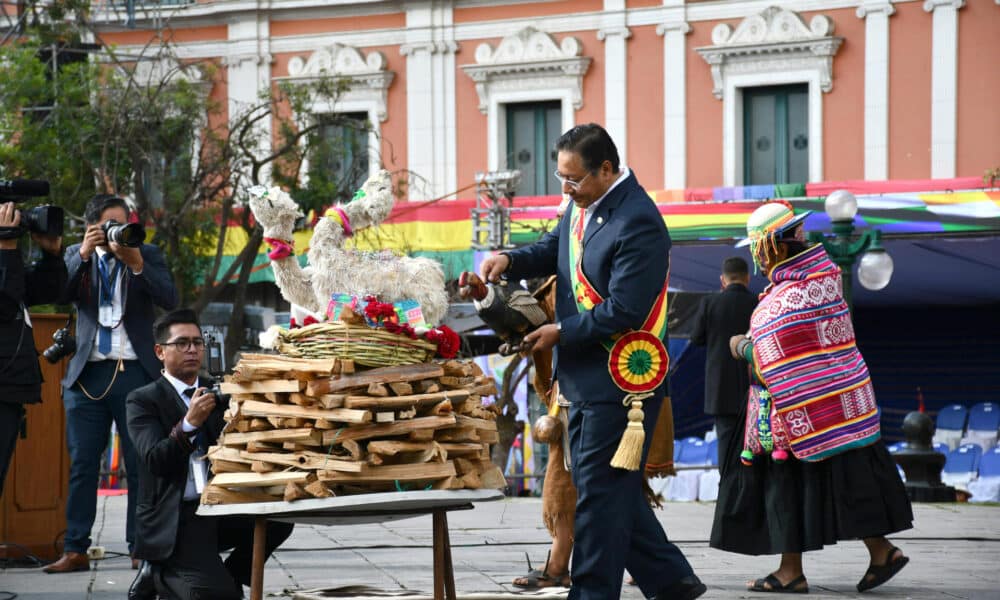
{"points": [[155, 413], [626, 256], [139, 293], [720, 317], [21, 286]]}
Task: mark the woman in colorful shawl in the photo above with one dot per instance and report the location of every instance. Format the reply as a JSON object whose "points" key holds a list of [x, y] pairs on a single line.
{"points": [[814, 468]]}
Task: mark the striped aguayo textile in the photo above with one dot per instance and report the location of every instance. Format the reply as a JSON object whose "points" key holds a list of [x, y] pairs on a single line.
{"points": [[804, 352]]}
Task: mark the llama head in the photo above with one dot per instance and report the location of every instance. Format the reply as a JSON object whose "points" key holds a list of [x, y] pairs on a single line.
{"points": [[275, 210], [373, 202]]}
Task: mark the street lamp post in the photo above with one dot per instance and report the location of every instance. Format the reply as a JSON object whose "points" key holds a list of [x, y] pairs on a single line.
{"points": [[875, 268]]}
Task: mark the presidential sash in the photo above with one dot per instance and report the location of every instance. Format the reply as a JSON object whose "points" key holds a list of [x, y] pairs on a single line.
{"points": [[637, 359]]}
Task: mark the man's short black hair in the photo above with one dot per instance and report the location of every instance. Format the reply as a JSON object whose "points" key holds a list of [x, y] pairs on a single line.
{"points": [[161, 329], [734, 266], [592, 143], [100, 203]]}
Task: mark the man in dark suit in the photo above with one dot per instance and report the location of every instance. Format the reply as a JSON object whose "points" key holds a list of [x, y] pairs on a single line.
{"points": [[20, 287], [172, 422], [114, 288], [721, 316], [608, 340]]}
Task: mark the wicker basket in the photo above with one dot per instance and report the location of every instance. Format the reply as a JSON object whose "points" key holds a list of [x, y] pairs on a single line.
{"points": [[364, 345]]}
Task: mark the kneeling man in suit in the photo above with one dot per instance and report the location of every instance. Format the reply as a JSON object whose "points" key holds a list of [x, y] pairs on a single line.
{"points": [[172, 422]]}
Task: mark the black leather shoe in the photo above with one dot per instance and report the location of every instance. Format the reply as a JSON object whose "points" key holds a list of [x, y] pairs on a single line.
{"points": [[144, 585], [687, 588]]}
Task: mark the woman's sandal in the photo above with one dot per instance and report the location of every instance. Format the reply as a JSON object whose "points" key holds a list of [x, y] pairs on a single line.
{"points": [[876, 575], [536, 580], [773, 584]]}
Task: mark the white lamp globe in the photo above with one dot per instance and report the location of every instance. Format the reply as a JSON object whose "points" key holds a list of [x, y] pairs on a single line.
{"points": [[841, 205], [875, 269]]}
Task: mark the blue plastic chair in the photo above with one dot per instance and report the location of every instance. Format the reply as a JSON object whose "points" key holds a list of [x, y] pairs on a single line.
{"points": [[985, 416], [713, 452], [952, 417], [942, 448], [894, 448], [989, 464], [964, 459]]}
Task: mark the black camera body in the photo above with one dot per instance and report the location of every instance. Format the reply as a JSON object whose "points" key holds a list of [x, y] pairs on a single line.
{"points": [[62, 346], [131, 235], [221, 400], [44, 220]]}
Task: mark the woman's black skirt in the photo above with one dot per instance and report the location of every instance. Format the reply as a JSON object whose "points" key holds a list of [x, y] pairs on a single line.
{"points": [[772, 508]]}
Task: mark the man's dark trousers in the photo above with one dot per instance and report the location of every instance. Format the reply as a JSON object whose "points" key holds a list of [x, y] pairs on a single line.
{"points": [[615, 528], [88, 425], [194, 571]]}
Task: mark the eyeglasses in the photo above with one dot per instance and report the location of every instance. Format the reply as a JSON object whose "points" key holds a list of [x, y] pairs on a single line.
{"points": [[573, 185], [185, 344]]}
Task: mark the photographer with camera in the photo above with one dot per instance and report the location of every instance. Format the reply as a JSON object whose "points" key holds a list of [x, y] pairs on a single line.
{"points": [[114, 280], [20, 287]]}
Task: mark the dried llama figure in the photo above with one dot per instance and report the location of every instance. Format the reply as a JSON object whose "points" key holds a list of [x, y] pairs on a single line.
{"points": [[333, 269]]}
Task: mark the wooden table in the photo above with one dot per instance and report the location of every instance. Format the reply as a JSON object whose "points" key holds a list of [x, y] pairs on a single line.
{"points": [[361, 508]]}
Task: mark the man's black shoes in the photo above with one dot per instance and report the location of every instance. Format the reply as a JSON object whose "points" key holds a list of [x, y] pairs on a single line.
{"points": [[688, 588], [144, 585]]}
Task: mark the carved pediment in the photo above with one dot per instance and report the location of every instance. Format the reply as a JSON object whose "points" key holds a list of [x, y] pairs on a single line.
{"points": [[529, 59], [775, 39], [368, 77]]}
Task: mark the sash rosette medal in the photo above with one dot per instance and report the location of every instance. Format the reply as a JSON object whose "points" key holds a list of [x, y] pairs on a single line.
{"points": [[637, 359]]}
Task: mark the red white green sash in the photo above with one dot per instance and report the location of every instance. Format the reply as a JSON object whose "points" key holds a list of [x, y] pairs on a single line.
{"points": [[637, 360]]}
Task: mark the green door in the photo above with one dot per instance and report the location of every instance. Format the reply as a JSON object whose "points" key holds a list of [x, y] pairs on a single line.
{"points": [[532, 131], [776, 134]]}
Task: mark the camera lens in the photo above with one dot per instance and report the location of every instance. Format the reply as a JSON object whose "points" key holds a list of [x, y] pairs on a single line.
{"points": [[131, 235]]}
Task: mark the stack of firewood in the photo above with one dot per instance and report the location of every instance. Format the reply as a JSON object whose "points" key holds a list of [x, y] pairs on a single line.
{"points": [[316, 428]]}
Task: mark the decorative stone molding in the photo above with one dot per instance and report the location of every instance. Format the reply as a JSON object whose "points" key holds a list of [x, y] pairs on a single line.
{"points": [[773, 40], [446, 47], [367, 76], [681, 26], [875, 7], [237, 60], [529, 60], [932, 5], [603, 34]]}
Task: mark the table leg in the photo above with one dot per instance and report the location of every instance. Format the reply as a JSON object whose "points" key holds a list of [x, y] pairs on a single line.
{"points": [[444, 574], [257, 566]]}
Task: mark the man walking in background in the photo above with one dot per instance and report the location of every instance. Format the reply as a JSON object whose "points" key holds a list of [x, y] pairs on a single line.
{"points": [[720, 317]]}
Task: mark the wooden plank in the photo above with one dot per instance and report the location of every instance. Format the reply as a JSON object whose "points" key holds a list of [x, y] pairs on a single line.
{"points": [[427, 386], [457, 368], [394, 447], [400, 388], [488, 437], [364, 432], [226, 466], [377, 389], [385, 417], [415, 372], [262, 447], [332, 400], [338, 415], [484, 424], [311, 437], [461, 447], [262, 387], [259, 479], [407, 413], [219, 495], [294, 491], [301, 399], [392, 473], [304, 460], [318, 489], [365, 402], [493, 478], [453, 382], [258, 466]]}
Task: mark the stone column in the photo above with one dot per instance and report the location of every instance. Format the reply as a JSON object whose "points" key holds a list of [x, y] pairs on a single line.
{"points": [[673, 30], [615, 34], [944, 85], [876, 14]]}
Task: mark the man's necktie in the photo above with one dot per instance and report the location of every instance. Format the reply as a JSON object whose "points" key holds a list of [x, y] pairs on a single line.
{"points": [[107, 296]]}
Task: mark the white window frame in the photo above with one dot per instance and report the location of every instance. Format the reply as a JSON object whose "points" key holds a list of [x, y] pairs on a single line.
{"points": [[367, 91], [773, 47], [528, 66]]}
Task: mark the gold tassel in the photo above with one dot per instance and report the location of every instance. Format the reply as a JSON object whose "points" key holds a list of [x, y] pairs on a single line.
{"points": [[629, 453]]}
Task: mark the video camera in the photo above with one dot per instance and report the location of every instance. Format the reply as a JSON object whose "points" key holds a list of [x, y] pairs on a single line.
{"points": [[44, 220]]}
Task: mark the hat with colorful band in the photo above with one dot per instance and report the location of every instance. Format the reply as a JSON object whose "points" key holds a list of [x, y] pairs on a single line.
{"points": [[771, 222]]}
